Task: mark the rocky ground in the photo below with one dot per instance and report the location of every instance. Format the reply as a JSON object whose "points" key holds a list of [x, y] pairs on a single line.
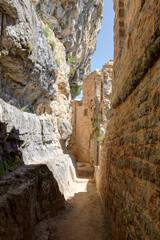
{"points": [[82, 220]]}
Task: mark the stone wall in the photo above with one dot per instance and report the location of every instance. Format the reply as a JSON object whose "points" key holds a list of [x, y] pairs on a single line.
{"points": [[89, 115], [129, 174]]}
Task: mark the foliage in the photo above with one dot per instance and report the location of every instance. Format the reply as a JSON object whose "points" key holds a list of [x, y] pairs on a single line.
{"points": [[58, 62], [58, 122], [70, 59], [22, 109], [46, 31], [9, 165], [75, 90], [35, 1], [71, 70], [39, 14], [51, 22], [59, 90], [29, 46], [95, 131], [4, 52], [67, 110], [52, 43], [101, 139]]}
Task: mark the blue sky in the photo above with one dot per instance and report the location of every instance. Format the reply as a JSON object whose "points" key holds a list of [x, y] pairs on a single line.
{"points": [[105, 41]]}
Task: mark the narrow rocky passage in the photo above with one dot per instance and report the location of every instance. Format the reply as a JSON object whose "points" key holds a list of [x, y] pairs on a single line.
{"points": [[82, 220]]}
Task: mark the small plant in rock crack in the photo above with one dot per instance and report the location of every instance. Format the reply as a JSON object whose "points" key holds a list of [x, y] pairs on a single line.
{"points": [[35, 1], [46, 31], [51, 22], [70, 59], [59, 90], [4, 52], [52, 43], [22, 109], [58, 122], [58, 62], [71, 70], [101, 139], [29, 46]]}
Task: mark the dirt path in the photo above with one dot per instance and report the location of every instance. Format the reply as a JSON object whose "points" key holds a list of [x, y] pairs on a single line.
{"points": [[82, 220]]}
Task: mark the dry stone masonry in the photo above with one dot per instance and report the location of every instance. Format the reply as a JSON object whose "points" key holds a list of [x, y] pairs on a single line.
{"points": [[129, 177], [89, 115]]}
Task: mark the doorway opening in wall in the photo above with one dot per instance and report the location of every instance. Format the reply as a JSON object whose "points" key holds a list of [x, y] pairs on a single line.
{"points": [[105, 41]]}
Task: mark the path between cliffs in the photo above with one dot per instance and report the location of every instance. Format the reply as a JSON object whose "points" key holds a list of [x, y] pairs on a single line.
{"points": [[83, 218]]}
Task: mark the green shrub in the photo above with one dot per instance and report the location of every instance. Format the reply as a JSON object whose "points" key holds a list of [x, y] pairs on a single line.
{"points": [[75, 90]]}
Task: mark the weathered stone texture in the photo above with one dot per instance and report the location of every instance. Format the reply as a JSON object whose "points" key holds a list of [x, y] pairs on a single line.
{"points": [[28, 138], [27, 196], [76, 24], [135, 50], [89, 115], [128, 178]]}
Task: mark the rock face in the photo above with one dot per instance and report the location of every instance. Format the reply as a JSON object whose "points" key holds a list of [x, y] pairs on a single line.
{"points": [[37, 61], [89, 115], [27, 196], [28, 68], [76, 25], [45, 46], [129, 179], [34, 140]]}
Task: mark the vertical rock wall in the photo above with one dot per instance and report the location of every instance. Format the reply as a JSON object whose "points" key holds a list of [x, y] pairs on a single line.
{"points": [[129, 180], [38, 60]]}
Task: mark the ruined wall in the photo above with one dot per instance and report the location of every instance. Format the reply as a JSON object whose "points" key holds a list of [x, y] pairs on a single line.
{"points": [[89, 115], [129, 179]]}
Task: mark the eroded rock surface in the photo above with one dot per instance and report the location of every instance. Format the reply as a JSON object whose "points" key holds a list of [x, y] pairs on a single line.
{"points": [[35, 140], [27, 196], [76, 24], [28, 68]]}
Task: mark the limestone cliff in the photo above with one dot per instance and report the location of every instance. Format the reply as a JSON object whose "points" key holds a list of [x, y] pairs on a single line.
{"points": [[44, 45], [76, 24]]}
